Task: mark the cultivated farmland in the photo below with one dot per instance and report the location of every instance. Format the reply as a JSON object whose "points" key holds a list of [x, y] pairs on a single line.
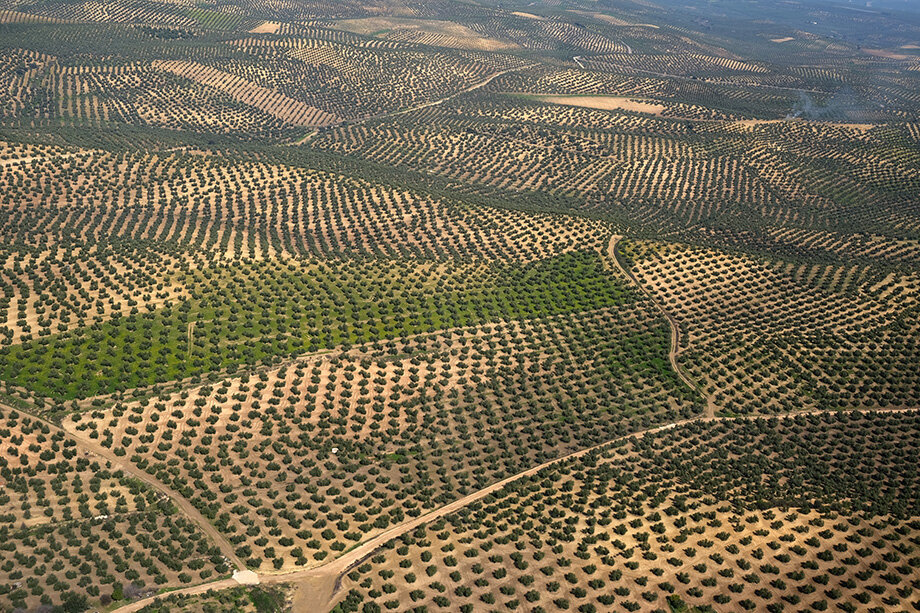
{"points": [[447, 306]]}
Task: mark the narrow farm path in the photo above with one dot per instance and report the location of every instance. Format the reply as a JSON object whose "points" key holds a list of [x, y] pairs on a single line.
{"points": [[321, 581], [217, 586], [614, 256], [471, 88], [191, 332], [306, 137], [88, 445], [319, 585]]}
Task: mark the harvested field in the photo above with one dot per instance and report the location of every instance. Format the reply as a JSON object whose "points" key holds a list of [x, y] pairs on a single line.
{"points": [[606, 103], [267, 27], [888, 54]]}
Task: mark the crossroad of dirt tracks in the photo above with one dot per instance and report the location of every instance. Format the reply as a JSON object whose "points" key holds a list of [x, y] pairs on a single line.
{"points": [[320, 583]]}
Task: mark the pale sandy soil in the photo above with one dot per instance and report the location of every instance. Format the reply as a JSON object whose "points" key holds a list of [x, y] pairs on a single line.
{"points": [[316, 587], [615, 21], [749, 123], [527, 15], [781, 40], [606, 103], [891, 55], [18, 17], [269, 27], [862, 127], [451, 34], [270, 101]]}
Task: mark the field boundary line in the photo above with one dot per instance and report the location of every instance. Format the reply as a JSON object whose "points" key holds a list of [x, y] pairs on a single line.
{"points": [[184, 506], [614, 255], [329, 575]]}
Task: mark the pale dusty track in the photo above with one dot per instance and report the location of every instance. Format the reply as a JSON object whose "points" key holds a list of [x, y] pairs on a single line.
{"points": [[471, 88], [324, 578], [320, 584], [88, 445], [675, 329], [137, 605]]}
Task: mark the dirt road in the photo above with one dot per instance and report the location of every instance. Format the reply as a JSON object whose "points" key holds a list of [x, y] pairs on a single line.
{"points": [[86, 444], [419, 107], [321, 581], [137, 605], [675, 329], [317, 586]]}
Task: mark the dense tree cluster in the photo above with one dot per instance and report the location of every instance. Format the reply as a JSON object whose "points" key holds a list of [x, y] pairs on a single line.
{"points": [[254, 311]]}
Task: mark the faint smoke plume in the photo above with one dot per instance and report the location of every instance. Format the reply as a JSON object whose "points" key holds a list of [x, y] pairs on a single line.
{"points": [[804, 107], [841, 106]]}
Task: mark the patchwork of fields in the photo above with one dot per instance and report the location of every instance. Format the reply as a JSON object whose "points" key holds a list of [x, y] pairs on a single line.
{"points": [[445, 306]]}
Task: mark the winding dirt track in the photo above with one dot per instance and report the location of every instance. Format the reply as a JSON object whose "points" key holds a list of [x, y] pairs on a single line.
{"points": [[323, 579], [321, 583], [467, 90], [89, 445], [675, 329], [471, 88], [318, 585]]}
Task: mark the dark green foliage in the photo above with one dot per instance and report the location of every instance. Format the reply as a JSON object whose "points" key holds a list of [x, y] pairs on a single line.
{"points": [[247, 314]]}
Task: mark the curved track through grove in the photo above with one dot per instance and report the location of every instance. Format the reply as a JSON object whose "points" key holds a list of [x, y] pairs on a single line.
{"points": [[614, 256], [320, 584], [322, 581]]}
